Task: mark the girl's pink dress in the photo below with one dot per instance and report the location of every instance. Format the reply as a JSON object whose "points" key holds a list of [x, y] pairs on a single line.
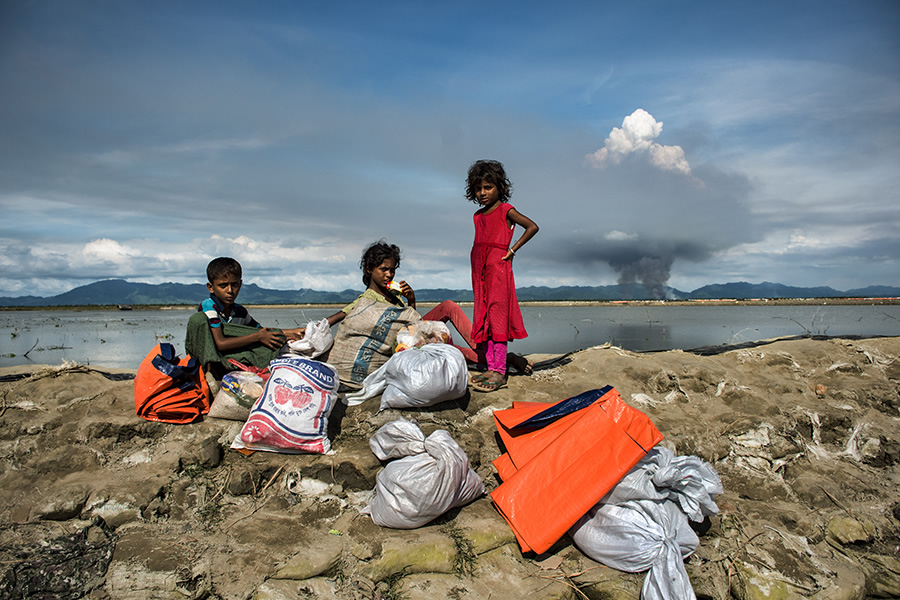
{"points": [[497, 314]]}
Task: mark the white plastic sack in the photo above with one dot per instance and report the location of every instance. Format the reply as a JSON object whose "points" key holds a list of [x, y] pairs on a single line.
{"points": [[686, 480], [416, 377], [642, 523], [641, 535], [317, 339], [426, 478]]}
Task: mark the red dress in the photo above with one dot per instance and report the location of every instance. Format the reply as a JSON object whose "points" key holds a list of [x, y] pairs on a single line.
{"points": [[497, 314]]}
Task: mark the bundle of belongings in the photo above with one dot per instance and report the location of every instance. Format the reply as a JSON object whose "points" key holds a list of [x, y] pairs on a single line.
{"points": [[625, 503], [285, 406], [292, 413], [425, 478], [417, 377], [642, 524], [238, 392], [421, 333], [170, 389], [365, 339]]}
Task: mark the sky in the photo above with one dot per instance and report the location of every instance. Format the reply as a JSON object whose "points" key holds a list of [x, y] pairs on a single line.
{"points": [[669, 143]]}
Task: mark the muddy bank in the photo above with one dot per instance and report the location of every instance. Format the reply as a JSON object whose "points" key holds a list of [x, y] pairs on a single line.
{"points": [[804, 434]]}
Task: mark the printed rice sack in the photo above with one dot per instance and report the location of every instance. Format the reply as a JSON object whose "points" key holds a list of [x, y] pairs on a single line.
{"points": [[292, 414]]}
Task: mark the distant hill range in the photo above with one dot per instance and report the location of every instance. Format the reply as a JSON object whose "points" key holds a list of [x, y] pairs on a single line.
{"points": [[121, 292]]}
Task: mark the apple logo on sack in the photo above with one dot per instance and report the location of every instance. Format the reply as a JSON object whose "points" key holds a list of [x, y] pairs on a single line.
{"points": [[298, 395]]}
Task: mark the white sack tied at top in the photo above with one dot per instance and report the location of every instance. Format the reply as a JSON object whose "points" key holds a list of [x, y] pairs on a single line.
{"points": [[317, 339], [416, 377], [642, 523], [425, 478], [688, 481], [641, 535]]}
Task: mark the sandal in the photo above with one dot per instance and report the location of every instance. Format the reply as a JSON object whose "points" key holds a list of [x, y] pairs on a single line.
{"points": [[474, 379], [488, 386]]}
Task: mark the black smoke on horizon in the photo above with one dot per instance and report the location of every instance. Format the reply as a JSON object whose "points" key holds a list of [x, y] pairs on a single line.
{"points": [[647, 263]]}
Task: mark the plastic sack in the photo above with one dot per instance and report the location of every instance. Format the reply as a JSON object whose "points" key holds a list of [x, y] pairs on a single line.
{"points": [[688, 481], [642, 523], [426, 478], [238, 393], [317, 340], [641, 535], [170, 389], [262, 372], [416, 377], [418, 334], [292, 413]]}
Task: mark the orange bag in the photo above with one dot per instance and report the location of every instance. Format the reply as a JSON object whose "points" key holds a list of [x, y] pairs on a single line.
{"points": [[555, 471], [169, 389]]}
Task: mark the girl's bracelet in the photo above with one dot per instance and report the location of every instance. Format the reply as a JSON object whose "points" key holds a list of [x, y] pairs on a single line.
{"points": [[513, 251]]}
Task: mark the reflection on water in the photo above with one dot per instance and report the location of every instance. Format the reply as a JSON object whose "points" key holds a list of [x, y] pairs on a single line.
{"points": [[122, 339]]}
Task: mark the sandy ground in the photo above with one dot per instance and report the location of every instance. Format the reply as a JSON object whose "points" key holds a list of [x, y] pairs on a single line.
{"points": [[95, 502]]}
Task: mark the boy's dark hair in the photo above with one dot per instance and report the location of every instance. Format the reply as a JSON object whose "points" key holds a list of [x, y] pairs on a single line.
{"points": [[222, 266], [491, 171], [376, 254]]}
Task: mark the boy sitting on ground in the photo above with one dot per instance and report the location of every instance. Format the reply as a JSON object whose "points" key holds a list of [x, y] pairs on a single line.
{"points": [[222, 329]]}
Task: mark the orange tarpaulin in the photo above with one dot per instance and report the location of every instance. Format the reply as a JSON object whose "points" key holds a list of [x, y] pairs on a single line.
{"points": [[170, 389], [553, 474]]}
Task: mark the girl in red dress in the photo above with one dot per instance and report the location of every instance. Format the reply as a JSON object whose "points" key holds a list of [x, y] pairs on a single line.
{"points": [[497, 315]]}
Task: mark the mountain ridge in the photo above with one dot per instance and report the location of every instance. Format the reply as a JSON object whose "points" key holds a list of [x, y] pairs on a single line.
{"points": [[122, 292]]}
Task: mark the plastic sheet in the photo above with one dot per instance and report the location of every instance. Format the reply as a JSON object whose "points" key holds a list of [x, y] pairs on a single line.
{"points": [[569, 464]]}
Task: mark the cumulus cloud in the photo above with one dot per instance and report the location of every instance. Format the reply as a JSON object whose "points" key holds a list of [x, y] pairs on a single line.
{"points": [[636, 136], [109, 251]]}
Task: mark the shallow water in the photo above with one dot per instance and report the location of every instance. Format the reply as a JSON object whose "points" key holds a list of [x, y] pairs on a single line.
{"points": [[121, 339]]}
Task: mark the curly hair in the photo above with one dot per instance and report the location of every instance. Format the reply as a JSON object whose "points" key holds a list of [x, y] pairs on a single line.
{"points": [[376, 254], [491, 171], [222, 267]]}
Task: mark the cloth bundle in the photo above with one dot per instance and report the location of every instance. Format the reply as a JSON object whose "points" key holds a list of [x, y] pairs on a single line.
{"points": [[425, 478]]}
